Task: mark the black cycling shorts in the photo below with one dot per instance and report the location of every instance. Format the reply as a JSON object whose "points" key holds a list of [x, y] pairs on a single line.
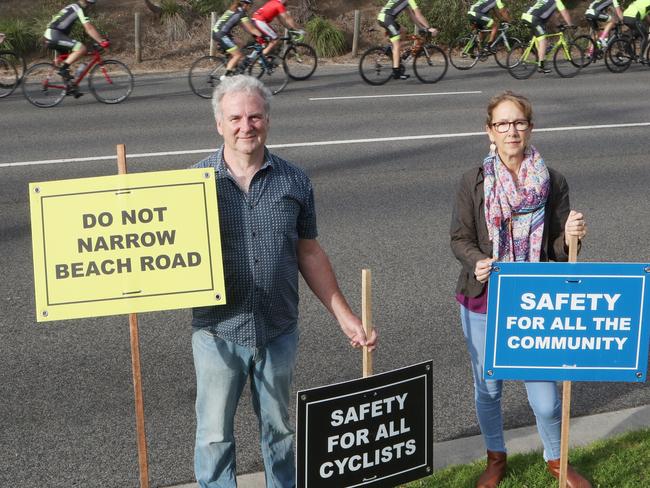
{"points": [[391, 26]]}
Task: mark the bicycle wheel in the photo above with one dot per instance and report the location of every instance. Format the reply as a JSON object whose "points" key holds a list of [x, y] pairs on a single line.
{"points": [[43, 86], [274, 78], [300, 61], [376, 65], [110, 81], [588, 47], [8, 78], [503, 49], [17, 61], [430, 64], [463, 52], [521, 67], [205, 75], [568, 60], [619, 55]]}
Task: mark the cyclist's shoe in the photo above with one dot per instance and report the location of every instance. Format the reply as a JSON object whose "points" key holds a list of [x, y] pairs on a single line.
{"points": [[398, 74], [64, 72], [226, 75], [542, 68]]}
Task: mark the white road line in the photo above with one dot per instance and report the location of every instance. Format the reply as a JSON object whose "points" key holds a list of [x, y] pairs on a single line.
{"points": [[396, 95], [321, 143]]}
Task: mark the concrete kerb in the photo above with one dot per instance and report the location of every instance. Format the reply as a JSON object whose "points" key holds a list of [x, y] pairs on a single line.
{"points": [[584, 430]]}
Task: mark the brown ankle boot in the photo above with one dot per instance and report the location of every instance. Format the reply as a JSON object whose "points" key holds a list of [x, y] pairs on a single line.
{"points": [[494, 472], [573, 478]]}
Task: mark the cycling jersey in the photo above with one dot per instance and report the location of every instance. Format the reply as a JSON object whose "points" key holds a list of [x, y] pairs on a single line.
{"points": [[543, 9], [638, 9], [394, 7], [482, 7], [269, 11], [229, 20], [67, 16], [598, 6]]}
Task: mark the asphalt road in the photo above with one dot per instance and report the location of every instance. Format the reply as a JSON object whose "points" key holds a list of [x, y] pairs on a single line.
{"points": [[66, 399]]}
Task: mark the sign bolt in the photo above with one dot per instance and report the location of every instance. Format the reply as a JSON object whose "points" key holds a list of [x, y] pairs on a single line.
{"points": [[206, 175], [44, 313], [428, 469], [490, 372], [218, 296], [647, 269], [639, 374], [37, 189], [303, 397], [495, 269]]}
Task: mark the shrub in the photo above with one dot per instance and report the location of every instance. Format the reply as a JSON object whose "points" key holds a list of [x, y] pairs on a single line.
{"points": [[20, 37], [325, 37]]}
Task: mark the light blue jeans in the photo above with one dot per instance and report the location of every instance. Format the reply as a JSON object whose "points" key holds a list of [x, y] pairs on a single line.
{"points": [[222, 370], [542, 395]]}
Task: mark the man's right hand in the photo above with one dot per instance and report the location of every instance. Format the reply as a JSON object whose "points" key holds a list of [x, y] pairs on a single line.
{"points": [[433, 31]]}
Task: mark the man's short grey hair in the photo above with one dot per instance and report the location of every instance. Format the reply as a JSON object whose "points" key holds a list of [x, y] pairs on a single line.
{"points": [[240, 83]]}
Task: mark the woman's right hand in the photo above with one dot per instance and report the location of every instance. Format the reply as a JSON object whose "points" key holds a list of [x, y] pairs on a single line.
{"points": [[483, 269]]}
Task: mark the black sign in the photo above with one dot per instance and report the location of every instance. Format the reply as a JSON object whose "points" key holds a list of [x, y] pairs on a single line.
{"points": [[376, 431]]}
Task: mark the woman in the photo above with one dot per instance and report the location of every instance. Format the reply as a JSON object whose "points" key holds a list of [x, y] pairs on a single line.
{"points": [[511, 208]]}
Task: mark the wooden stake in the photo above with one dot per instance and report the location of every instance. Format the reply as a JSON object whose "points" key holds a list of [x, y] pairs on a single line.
{"points": [[566, 394], [366, 318], [135, 365]]}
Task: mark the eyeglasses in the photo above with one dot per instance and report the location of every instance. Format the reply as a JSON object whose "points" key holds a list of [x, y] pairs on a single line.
{"points": [[503, 127]]}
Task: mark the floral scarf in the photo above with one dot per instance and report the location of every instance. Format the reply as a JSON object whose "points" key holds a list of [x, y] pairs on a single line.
{"points": [[515, 212]]}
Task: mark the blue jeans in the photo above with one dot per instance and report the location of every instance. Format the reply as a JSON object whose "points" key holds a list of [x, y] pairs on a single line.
{"points": [[222, 370], [542, 395]]}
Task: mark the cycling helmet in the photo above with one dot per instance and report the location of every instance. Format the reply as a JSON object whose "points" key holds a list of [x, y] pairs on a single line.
{"points": [[246, 1], [91, 2]]}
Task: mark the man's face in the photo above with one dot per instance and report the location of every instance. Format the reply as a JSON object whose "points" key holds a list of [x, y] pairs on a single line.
{"points": [[243, 122]]}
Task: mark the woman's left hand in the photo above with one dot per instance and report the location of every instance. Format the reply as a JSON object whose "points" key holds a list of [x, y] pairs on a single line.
{"points": [[575, 226]]}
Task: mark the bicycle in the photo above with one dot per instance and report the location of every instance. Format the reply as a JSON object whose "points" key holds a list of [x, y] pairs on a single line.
{"points": [[206, 72], [624, 50], [568, 57], [468, 49], [12, 69], [299, 59], [590, 43], [429, 61], [109, 81]]}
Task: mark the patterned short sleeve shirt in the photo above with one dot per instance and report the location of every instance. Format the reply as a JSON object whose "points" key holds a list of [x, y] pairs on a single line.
{"points": [[259, 237]]}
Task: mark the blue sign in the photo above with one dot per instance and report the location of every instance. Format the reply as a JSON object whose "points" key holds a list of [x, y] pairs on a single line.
{"points": [[567, 321]]}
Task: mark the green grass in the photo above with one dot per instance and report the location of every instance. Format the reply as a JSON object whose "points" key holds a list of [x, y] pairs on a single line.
{"points": [[619, 462], [325, 37]]}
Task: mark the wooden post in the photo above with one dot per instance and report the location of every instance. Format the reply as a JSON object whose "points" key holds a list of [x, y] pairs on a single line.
{"points": [[366, 318], [138, 39], [356, 32], [213, 20], [135, 365], [566, 394]]}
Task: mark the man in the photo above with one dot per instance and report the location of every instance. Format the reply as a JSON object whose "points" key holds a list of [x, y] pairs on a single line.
{"points": [[268, 232], [596, 12], [636, 17], [386, 19], [58, 32], [479, 15], [236, 14], [265, 15], [537, 16]]}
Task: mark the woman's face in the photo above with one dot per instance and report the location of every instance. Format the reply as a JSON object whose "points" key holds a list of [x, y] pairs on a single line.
{"points": [[512, 143]]}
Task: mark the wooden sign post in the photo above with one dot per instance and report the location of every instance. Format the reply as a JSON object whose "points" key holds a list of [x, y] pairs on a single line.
{"points": [[566, 394], [135, 365], [366, 318]]}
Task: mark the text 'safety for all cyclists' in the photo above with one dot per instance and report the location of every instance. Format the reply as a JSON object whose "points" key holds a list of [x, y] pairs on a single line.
{"points": [[567, 322], [125, 244], [374, 431]]}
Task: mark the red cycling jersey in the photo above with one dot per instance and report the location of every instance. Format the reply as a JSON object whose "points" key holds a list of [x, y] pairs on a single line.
{"points": [[269, 11]]}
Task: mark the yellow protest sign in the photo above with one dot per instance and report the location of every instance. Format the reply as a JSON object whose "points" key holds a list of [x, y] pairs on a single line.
{"points": [[126, 243]]}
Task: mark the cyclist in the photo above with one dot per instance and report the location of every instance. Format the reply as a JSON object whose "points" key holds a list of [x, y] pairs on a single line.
{"points": [[265, 15], [58, 33], [635, 17], [237, 13], [537, 16], [478, 16], [386, 19], [596, 13]]}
